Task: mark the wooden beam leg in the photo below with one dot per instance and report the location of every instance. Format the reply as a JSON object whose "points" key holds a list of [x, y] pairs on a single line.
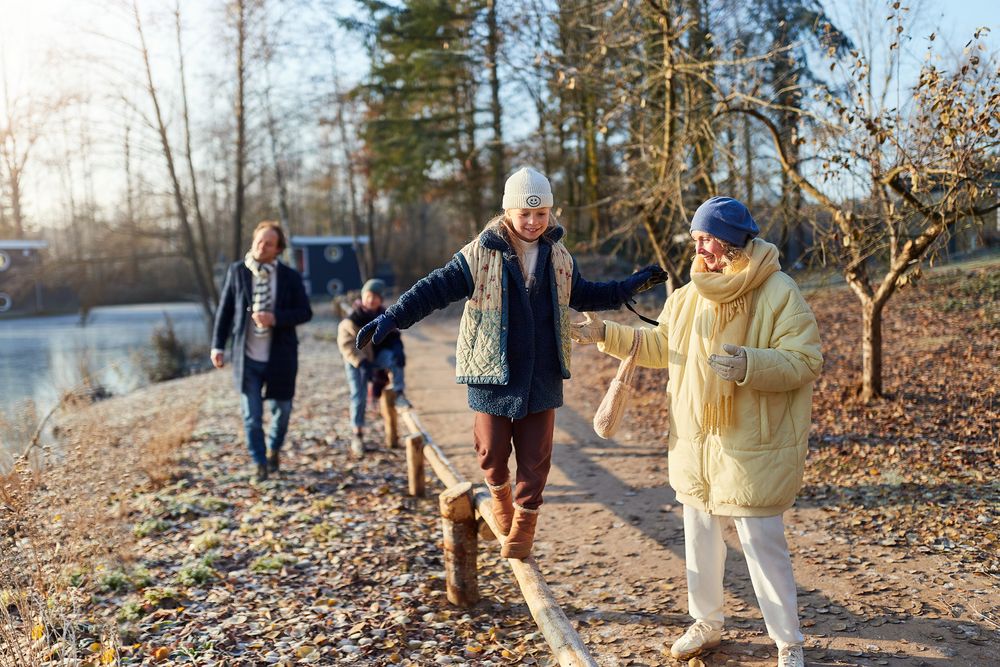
{"points": [[458, 522], [415, 465], [387, 406]]}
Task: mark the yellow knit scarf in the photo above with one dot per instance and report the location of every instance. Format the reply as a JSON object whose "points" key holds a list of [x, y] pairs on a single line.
{"points": [[732, 295]]}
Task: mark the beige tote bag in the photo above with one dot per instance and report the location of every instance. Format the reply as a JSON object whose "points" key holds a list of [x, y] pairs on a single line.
{"points": [[609, 413]]}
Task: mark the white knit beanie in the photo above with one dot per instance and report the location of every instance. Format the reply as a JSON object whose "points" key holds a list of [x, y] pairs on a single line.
{"points": [[527, 188]]}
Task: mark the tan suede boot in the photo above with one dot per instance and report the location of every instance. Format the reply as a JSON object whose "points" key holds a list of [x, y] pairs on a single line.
{"points": [[503, 506], [522, 534]]}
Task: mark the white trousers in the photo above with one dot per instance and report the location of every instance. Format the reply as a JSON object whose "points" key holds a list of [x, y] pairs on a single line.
{"points": [[766, 551]]}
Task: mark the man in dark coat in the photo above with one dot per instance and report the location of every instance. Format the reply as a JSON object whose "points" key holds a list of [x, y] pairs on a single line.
{"points": [[262, 302]]}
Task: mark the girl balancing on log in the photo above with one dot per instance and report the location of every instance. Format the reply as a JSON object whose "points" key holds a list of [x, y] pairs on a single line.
{"points": [[513, 349]]}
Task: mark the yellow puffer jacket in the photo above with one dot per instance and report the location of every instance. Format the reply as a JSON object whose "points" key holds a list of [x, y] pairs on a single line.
{"points": [[754, 467]]}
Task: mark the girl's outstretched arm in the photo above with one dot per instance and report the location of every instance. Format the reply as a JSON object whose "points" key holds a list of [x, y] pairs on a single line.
{"points": [[450, 283], [433, 292], [612, 294]]}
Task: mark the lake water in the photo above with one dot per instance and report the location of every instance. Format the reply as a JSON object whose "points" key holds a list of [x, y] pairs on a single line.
{"points": [[41, 357]]}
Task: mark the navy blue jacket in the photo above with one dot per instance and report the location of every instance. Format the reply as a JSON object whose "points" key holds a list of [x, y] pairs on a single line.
{"points": [[291, 308], [532, 349]]}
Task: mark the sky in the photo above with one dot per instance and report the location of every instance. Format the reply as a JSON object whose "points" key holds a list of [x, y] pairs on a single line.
{"points": [[29, 27]]}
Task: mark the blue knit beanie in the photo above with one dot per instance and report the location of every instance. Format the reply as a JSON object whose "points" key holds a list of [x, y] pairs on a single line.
{"points": [[727, 219]]}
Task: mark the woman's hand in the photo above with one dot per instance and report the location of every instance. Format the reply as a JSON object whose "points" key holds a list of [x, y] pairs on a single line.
{"points": [[588, 331], [732, 368]]}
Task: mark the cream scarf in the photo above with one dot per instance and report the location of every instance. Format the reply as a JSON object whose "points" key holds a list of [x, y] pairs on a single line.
{"points": [[732, 295]]}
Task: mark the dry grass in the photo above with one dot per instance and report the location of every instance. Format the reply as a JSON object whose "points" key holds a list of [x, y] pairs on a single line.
{"points": [[64, 523], [161, 449]]}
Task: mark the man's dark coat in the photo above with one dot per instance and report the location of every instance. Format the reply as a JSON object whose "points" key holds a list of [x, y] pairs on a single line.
{"points": [[291, 308]]}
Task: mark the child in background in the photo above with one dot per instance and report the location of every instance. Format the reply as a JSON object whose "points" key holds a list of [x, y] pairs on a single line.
{"points": [[360, 365], [514, 343]]}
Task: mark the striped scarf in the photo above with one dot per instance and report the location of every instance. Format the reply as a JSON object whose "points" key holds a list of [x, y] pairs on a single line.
{"points": [[261, 289]]}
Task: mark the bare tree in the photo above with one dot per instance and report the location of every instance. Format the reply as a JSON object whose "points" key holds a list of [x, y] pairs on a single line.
{"points": [[927, 169], [203, 238], [21, 123], [493, 66], [269, 43], [340, 121], [239, 10], [187, 233]]}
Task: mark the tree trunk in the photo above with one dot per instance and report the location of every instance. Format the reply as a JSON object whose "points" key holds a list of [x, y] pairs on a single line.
{"points": [[787, 79], [699, 115], [748, 171], [182, 215], [203, 246], [279, 174], [470, 167], [15, 201], [571, 218], [132, 274], [499, 170], [236, 248], [349, 169], [370, 224], [871, 350], [3, 209]]}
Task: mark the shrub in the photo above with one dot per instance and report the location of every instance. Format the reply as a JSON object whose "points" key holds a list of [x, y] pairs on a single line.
{"points": [[169, 358], [148, 527], [204, 542], [195, 574], [115, 581], [266, 564]]}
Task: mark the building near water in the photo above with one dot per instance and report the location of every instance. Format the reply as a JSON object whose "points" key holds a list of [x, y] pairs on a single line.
{"points": [[21, 276], [329, 265]]}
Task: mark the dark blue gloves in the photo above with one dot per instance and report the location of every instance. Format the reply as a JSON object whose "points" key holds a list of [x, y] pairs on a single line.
{"points": [[376, 330], [642, 280]]}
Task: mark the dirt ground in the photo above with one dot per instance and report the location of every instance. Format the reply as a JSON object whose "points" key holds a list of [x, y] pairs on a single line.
{"points": [[610, 544]]}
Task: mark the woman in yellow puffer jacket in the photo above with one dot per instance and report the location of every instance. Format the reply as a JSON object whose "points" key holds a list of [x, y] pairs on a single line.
{"points": [[742, 349]]}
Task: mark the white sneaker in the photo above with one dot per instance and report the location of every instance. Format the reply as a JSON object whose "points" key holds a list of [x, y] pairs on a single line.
{"points": [[790, 655], [698, 637]]}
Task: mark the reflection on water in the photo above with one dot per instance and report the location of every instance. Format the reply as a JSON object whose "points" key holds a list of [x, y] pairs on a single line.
{"points": [[41, 357]]}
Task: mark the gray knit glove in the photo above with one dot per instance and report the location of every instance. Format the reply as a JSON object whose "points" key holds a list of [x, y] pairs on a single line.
{"points": [[732, 368]]}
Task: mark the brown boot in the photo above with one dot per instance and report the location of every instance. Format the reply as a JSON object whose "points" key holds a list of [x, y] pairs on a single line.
{"points": [[503, 506], [522, 534]]}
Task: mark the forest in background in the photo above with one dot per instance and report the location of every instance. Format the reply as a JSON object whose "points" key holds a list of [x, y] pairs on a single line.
{"points": [[861, 144]]}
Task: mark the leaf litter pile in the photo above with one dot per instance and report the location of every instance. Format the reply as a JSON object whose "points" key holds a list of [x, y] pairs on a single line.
{"points": [[917, 470], [327, 563]]}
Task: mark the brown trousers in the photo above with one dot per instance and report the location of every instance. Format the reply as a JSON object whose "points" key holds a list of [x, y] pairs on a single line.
{"points": [[531, 440]]}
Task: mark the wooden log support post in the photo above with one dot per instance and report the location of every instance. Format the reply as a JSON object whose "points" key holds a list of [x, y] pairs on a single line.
{"points": [[458, 523], [565, 643], [387, 406], [415, 465], [439, 463]]}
